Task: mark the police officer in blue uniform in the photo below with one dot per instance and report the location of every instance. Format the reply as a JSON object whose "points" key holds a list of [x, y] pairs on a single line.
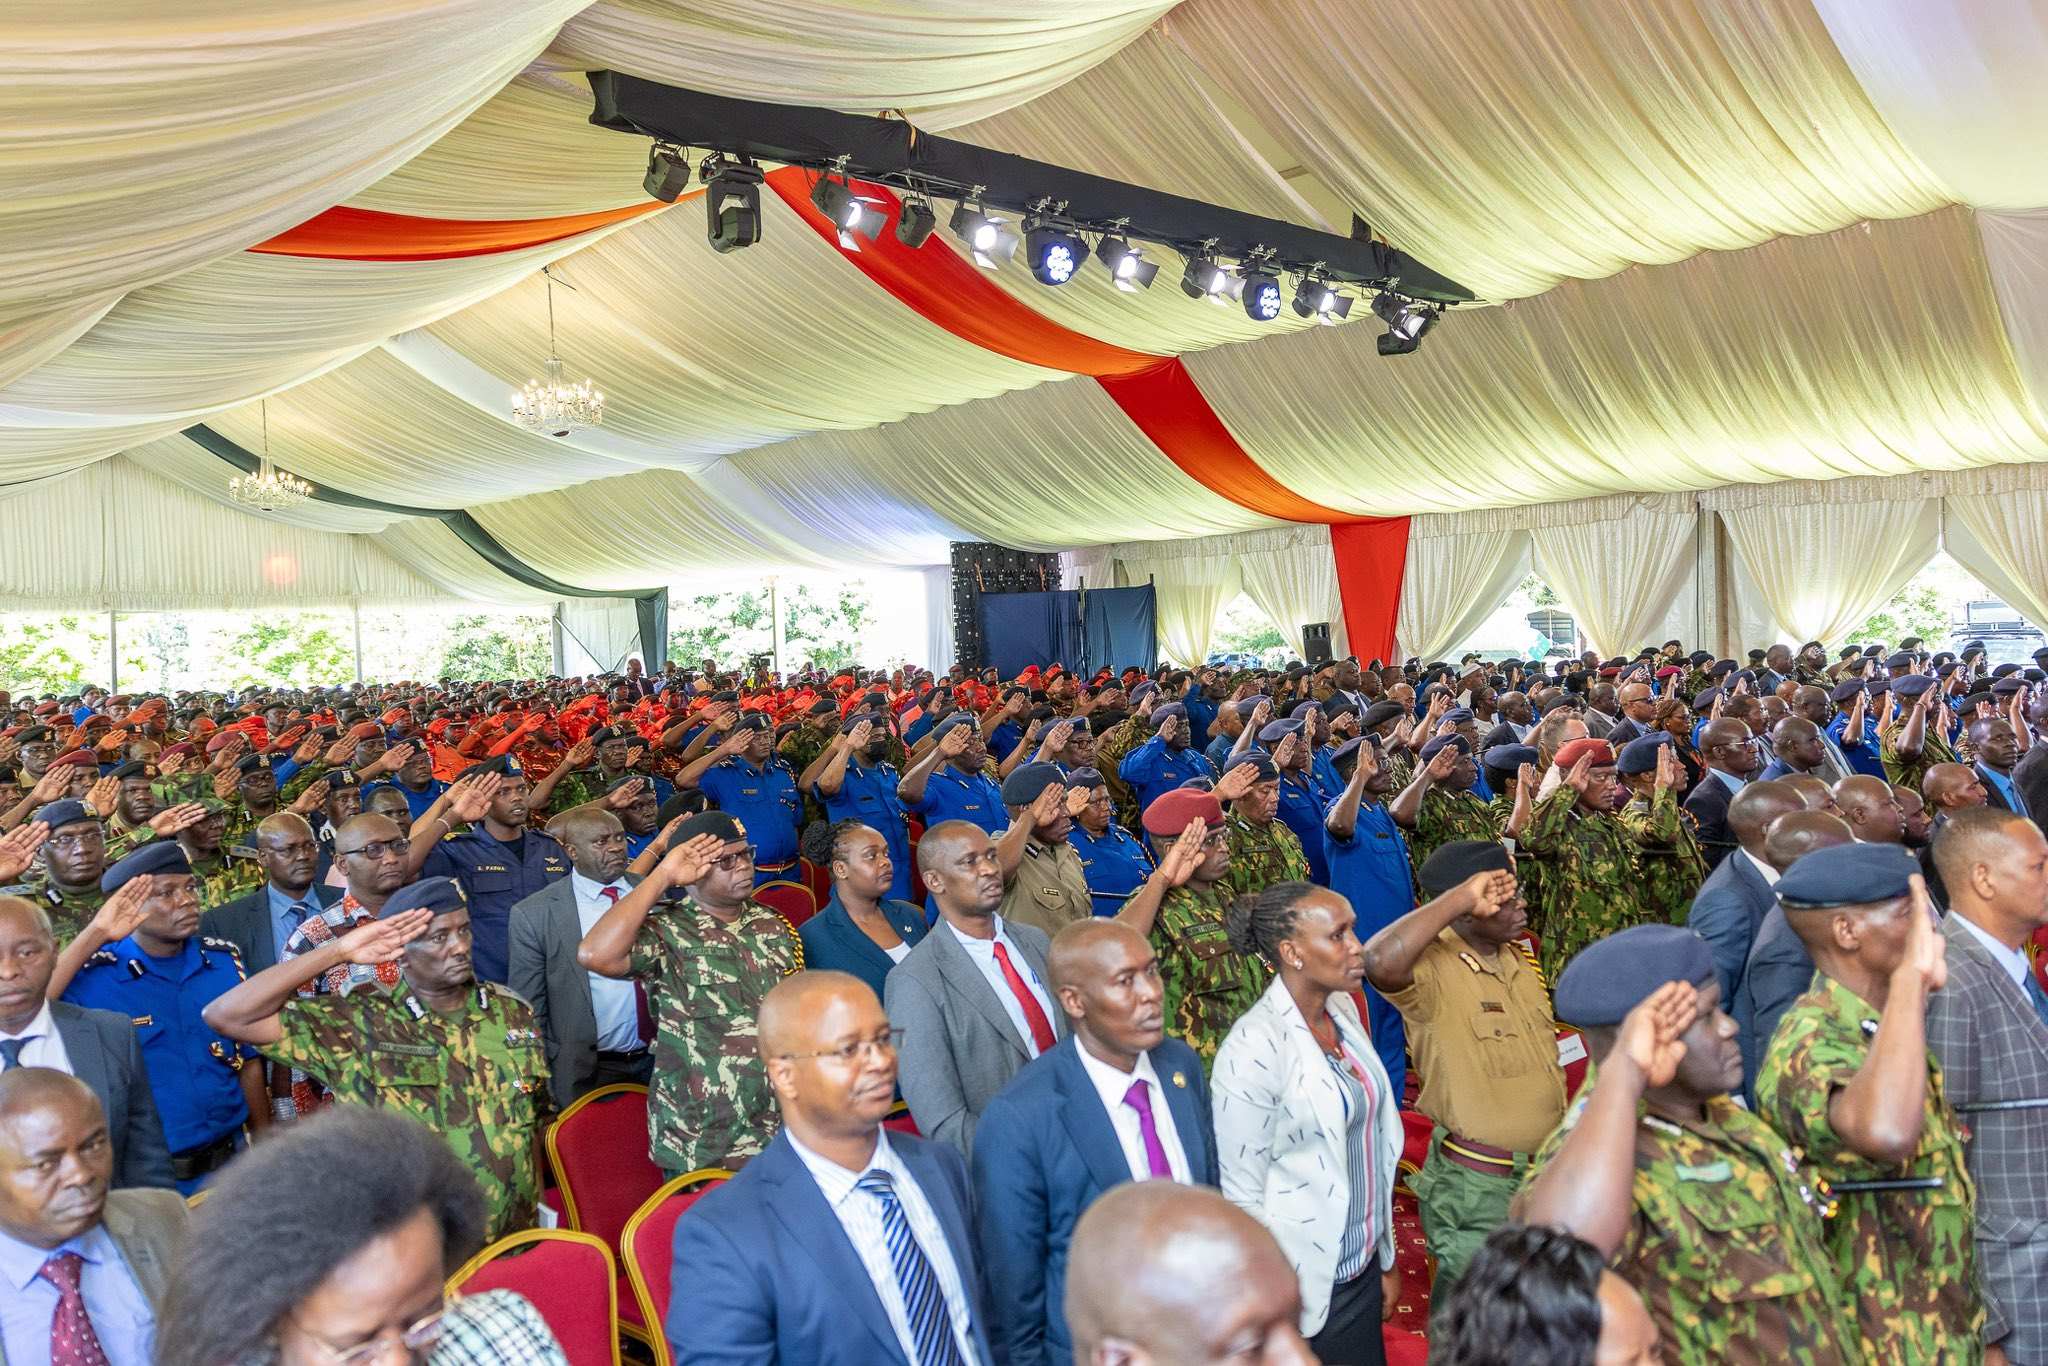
{"points": [[1301, 798], [1860, 749], [857, 783], [744, 778], [951, 782], [1165, 761], [497, 859], [142, 957], [1367, 858], [1113, 860]]}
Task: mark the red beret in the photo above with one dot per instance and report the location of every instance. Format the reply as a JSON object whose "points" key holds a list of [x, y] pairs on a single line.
{"points": [[1171, 812], [1572, 751], [83, 757], [220, 741]]}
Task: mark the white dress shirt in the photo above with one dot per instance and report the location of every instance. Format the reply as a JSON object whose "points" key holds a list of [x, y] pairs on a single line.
{"points": [[1768, 873], [2014, 961], [1113, 1086], [860, 1214], [983, 952], [45, 1047], [611, 998]]}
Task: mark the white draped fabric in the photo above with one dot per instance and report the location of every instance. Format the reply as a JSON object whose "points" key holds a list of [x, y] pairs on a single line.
{"points": [[1191, 583], [1454, 580], [604, 631], [1618, 564], [1823, 567], [938, 614], [2002, 538], [1292, 577]]}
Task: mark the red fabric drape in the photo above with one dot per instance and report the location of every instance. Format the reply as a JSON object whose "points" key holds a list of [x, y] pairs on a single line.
{"points": [[1372, 555], [346, 234]]}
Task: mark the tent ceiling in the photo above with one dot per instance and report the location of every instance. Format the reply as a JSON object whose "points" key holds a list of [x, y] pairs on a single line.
{"points": [[1773, 240]]}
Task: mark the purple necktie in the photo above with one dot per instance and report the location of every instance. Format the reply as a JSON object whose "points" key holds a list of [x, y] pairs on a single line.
{"points": [[1139, 1098]]}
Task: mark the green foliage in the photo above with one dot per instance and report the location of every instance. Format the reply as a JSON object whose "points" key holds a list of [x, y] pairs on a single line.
{"points": [[479, 648], [290, 651], [1250, 640], [825, 632], [1540, 593], [1917, 610], [822, 627], [43, 654]]}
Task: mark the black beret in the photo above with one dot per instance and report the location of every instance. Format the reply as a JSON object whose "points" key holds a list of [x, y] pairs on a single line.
{"points": [[1458, 716], [713, 822], [1911, 643], [2042, 653], [753, 720], [340, 779], [1873, 652], [2034, 675], [437, 894], [2007, 686], [65, 811], [2004, 669], [139, 768], [1640, 754], [1509, 758], [604, 735], [1261, 762], [1699, 657], [1944, 658], [1452, 863], [1379, 713], [1027, 781], [1757, 656], [955, 720], [1612, 976], [1850, 652], [35, 735], [615, 784], [504, 765], [1705, 698], [1721, 669], [821, 706], [1246, 706], [1845, 690], [1847, 875], [1911, 685], [727, 696], [1084, 777], [156, 857], [248, 763]]}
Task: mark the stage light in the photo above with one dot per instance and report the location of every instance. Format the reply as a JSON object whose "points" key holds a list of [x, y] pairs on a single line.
{"points": [[1261, 295], [1128, 268], [732, 203], [1405, 319], [668, 175], [915, 223], [854, 216], [1318, 299], [1053, 252], [1205, 278], [990, 242]]}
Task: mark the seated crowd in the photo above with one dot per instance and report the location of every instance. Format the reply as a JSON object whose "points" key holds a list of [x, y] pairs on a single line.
{"points": [[1688, 1005]]}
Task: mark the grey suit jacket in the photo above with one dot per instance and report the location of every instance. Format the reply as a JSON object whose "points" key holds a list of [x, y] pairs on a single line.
{"points": [[149, 1226], [1993, 1046], [106, 1056], [245, 923], [959, 1047], [545, 932]]}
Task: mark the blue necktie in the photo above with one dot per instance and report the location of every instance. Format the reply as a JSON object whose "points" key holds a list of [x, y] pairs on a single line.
{"points": [[924, 1303], [10, 1051], [2036, 997]]}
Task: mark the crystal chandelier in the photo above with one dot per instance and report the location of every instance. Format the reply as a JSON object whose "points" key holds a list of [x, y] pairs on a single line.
{"points": [[551, 405], [269, 489]]}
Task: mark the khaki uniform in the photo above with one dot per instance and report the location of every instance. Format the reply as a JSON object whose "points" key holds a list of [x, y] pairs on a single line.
{"points": [[1050, 889]]}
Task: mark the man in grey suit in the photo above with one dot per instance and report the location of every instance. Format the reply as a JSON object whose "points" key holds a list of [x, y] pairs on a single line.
{"points": [[972, 998], [260, 923], [1731, 905], [1989, 1027], [86, 1268], [594, 1027], [98, 1047]]}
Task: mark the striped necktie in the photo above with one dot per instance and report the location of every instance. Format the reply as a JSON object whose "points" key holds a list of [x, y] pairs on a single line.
{"points": [[924, 1302]]}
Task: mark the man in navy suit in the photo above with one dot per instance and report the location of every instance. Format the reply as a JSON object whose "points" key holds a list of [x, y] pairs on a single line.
{"points": [[1117, 1101], [842, 1244], [1732, 903]]}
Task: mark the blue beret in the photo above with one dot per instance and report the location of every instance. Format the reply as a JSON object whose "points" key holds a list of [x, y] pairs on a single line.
{"points": [[1844, 691], [504, 765], [139, 768], [1612, 976], [1458, 716], [1345, 751], [1878, 685], [1722, 669], [437, 894], [1847, 875], [958, 718], [248, 763], [1911, 685], [68, 811], [1699, 657], [1276, 731], [1027, 781], [1077, 725], [1873, 651], [1899, 661], [1201, 782], [1640, 754], [1457, 742], [1166, 709], [752, 720], [1942, 671], [846, 727], [1084, 777], [1509, 758], [1261, 762], [1246, 707], [1705, 698], [158, 856], [604, 735], [1302, 709], [1142, 690]]}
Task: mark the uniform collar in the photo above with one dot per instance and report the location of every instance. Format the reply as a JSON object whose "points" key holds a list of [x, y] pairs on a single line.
{"points": [[182, 965]]}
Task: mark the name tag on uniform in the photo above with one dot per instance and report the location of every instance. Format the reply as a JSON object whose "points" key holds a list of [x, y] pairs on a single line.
{"points": [[410, 1050], [142, 1021], [1571, 1048], [1493, 1007], [1712, 1172]]}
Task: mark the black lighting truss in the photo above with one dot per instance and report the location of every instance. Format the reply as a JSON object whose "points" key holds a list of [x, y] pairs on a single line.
{"points": [[894, 153]]}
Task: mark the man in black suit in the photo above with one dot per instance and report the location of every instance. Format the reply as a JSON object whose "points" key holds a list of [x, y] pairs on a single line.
{"points": [[96, 1046], [1730, 754], [260, 923], [584, 1051], [2030, 774], [1997, 749]]}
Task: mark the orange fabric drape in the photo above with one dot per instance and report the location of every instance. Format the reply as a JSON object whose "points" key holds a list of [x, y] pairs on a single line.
{"points": [[345, 234]]}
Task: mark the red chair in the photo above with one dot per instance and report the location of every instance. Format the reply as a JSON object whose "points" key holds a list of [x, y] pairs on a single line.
{"points": [[792, 900], [649, 1247], [569, 1277], [598, 1150], [1404, 1348], [819, 880], [899, 1119]]}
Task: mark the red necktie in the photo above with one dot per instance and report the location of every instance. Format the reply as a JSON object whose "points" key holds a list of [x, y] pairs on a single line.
{"points": [[1034, 1016], [72, 1340], [643, 1014]]}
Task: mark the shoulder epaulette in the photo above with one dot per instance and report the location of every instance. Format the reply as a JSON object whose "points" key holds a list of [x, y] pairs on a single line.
{"points": [[103, 958], [207, 941]]}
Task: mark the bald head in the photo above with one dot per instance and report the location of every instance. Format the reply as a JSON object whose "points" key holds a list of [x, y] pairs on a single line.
{"points": [[1167, 1274], [56, 1160], [1817, 795], [283, 826], [791, 1011], [1870, 809], [24, 1089], [831, 1060], [1953, 787], [1081, 950], [1751, 811], [1106, 978], [1792, 837]]}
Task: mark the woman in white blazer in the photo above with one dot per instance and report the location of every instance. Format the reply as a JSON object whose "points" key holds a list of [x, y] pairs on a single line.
{"points": [[1307, 1131]]}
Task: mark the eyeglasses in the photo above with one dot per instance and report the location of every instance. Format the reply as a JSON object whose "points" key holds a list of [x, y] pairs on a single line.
{"points": [[376, 852], [848, 1053], [416, 1339], [732, 863], [1216, 839]]}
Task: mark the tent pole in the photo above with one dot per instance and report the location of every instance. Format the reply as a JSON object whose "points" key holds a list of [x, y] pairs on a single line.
{"points": [[114, 649], [775, 623], [359, 642]]}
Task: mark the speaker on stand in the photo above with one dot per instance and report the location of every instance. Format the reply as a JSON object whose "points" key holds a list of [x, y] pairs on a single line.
{"points": [[1315, 644]]}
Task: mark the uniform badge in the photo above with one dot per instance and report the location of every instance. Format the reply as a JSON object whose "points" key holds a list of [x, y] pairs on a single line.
{"points": [[1869, 1028], [1180, 1079], [142, 1021]]}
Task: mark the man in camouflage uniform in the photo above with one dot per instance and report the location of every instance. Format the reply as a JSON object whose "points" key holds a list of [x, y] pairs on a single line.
{"points": [[1849, 1078], [1438, 805], [223, 873], [813, 733], [1914, 738], [1263, 850], [1591, 880], [67, 886], [706, 957], [1692, 1200], [1672, 868], [463, 1057], [1181, 909], [1115, 744]]}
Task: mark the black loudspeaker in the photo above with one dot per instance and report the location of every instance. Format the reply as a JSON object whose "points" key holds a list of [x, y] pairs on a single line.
{"points": [[1315, 644]]}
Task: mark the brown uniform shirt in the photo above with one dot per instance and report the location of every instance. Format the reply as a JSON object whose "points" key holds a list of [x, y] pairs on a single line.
{"points": [[1485, 1044], [1050, 890]]}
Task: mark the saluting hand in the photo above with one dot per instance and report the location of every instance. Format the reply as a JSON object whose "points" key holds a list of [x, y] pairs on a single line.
{"points": [[1236, 781], [1650, 1035], [380, 941], [1488, 894], [1580, 775], [103, 796], [18, 848], [580, 753], [1443, 764], [953, 743], [1077, 801], [1926, 960], [625, 795], [51, 785], [172, 819], [226, 783], [689, 861], [311, 797], [1185, 857], [857, 738], [1045, 807], [1056, 739], [471, 803], [123, 913], [1669, 773]]}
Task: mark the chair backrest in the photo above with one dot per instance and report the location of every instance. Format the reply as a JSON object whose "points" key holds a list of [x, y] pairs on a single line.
{"points": [[819, 880], [649, 1248], [569, 1277], [598, 1149], [792, 900]]}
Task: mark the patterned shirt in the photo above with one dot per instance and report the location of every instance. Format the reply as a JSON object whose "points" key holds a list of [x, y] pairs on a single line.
{"points": [[1261, 855], [496, 1328]]}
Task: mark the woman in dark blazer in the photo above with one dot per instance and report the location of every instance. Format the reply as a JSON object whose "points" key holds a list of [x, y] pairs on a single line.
{"points": [[858, 931]]}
